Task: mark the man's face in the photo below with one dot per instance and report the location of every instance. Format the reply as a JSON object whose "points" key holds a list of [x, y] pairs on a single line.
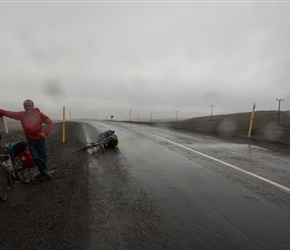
{"points": [[28, 107]]}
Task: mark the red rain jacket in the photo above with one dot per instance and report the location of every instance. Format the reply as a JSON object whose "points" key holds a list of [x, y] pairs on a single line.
{"points": [[31, 122]]}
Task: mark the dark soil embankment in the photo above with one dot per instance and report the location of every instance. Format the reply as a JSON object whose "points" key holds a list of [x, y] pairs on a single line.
{"points": [[265, 127]]}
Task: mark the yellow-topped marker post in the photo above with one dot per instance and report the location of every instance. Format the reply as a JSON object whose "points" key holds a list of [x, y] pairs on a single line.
{"points": [[251, 122]]}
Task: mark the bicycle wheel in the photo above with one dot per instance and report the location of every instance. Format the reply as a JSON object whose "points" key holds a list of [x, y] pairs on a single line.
{"points": [[22, 174], [3, 186]]}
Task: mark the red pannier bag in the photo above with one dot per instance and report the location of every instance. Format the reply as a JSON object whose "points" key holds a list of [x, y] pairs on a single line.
{"points": [[26, 159]]}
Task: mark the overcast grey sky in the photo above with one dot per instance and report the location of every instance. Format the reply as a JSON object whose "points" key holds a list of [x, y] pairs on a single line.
{"points": [[149, 55]]}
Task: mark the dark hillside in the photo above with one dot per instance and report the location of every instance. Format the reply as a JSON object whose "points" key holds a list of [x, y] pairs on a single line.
{"points": [[265, 125]]}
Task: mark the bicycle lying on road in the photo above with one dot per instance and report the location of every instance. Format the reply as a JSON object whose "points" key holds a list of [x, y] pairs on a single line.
{"points": [[12, 170], [107, 139]]}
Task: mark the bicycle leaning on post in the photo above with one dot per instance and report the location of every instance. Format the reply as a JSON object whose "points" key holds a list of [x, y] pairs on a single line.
{"points": [[12, 170]]}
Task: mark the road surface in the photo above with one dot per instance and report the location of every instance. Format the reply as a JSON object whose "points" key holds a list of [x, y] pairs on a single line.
{"points": [[178, 190]]}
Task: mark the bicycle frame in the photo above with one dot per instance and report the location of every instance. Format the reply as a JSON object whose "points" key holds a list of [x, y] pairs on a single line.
{"points": [[14, 173], [7, 176], [3, 186], [99, 145], [4, 165]]}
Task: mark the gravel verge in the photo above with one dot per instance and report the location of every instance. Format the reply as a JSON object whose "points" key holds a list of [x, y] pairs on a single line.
{"points": [[51, 214]]}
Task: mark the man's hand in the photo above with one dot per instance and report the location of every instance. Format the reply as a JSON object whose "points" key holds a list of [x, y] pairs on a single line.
{"points": [[42, 135]]}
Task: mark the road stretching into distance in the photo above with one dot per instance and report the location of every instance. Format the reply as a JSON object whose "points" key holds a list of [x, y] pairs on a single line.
{"points": [[201, 192]]}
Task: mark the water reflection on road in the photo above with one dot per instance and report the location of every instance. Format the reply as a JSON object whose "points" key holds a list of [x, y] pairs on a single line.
{"points": [[198, 189]]}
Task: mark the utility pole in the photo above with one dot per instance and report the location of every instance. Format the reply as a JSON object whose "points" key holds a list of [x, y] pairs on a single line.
{"points": [[211, 111], [151, 117], [176, 114], [279, 100], [63, 124]]}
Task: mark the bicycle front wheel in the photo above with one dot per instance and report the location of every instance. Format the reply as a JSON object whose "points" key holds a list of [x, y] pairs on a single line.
{"points": [[3, 186]]}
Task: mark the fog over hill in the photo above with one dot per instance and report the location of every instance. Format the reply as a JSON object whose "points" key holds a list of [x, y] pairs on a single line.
{"points": [[56, 112], [122, 114], [130, 115]]}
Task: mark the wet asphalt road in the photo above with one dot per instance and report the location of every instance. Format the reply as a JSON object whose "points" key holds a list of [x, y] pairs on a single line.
{"points": [[206, 193]]}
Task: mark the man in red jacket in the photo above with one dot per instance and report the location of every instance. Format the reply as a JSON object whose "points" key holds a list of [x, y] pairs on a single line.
{"points": [[31, 120]]}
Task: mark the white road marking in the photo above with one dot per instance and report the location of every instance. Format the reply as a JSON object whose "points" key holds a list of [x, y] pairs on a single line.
{"points": [[222, 162]]}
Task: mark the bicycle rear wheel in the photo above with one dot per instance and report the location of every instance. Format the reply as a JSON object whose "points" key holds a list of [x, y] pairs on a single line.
{"points": [[3, 186], [23, 174]]}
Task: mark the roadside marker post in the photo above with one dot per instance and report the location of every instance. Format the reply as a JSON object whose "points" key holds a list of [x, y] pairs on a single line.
{"points": [[3, 125], [251, 122]]}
